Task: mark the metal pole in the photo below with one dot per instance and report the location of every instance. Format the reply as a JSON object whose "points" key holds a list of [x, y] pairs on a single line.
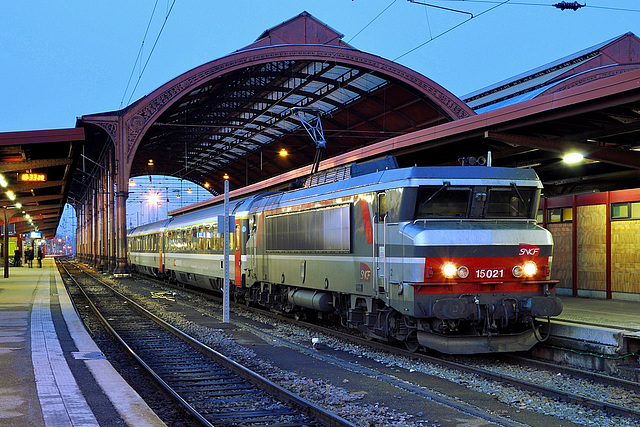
{"points": [[5, 244], [225, 301]]}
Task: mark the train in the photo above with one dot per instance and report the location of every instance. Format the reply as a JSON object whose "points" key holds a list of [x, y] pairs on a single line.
{"points": [[450, 258]]}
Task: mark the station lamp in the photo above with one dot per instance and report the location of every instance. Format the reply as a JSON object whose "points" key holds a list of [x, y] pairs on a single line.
{"points": [[572, 158], [283, 153]]}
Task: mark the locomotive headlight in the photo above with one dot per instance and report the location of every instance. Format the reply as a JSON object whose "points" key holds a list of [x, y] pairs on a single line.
{"points": [[463, 272], [449, 270], [530, 268], [517, 271]]}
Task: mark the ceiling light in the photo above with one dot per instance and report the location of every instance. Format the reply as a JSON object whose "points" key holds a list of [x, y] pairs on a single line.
{"points": [[572, 158]]}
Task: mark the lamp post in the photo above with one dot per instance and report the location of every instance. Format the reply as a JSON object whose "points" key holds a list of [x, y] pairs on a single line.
{"points": [[225, 295]]}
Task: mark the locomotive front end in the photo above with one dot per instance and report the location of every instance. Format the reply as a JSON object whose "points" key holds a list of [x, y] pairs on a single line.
{"points": [[487, 264]]}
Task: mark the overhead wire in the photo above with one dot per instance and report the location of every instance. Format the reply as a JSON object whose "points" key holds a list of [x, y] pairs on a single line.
{"points": [[155, 43], [139, 52], [451, 29], [516, 3]]}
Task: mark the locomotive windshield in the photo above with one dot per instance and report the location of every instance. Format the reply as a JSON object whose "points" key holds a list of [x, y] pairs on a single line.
{"points": [[449, 201]]}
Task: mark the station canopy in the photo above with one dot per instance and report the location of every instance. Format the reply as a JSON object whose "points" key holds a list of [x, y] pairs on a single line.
{"points": [[235, 115], [239, 114]]}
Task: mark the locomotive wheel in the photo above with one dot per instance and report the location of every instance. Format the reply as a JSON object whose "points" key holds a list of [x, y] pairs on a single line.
{"points": [[411, 343]]}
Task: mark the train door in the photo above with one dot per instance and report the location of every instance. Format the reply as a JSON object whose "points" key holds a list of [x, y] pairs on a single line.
{"points": [[160, 251], [380, 245], [252, 246]]}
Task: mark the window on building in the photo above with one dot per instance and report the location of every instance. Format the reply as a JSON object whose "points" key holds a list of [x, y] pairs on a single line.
{"points": [[560, 215], [626, 210]]}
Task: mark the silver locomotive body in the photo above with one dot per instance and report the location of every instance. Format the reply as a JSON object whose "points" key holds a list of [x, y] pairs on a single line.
{"points": [[445, 257]]}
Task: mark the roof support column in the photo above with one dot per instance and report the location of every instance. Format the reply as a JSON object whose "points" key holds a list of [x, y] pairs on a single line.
{"points": [[93, 237], [122, 193], [112, 223], [102, 219]]}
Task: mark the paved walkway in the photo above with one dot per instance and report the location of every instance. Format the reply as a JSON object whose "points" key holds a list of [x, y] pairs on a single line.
{"points": [[51, 371]]}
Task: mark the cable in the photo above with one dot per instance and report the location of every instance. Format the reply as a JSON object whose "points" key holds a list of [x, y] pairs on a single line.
{"points": [[451, 29], [139, 52], [544, 4], [152, 49]]}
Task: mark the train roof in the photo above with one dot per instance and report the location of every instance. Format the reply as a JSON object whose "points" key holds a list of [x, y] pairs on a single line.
{"points": [[408, 177], [376, 181], [148, 228]]}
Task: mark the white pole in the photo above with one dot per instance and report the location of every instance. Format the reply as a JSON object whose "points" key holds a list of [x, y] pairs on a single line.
{"points": [[225, 296]]}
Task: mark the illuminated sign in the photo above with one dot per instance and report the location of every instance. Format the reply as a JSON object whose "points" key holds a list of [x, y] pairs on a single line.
{"points": [[36, 234], [33, 177]]}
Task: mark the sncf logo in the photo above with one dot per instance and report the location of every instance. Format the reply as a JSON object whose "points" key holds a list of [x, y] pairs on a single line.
{"points": [[528, 250]]}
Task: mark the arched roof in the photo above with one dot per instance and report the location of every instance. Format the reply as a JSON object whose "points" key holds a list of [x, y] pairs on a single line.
{"points": [[233, 115]]}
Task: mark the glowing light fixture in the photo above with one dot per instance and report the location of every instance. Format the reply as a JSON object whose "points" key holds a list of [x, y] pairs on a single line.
{"points": [[225, 176], [150, 163], [132, 183], [207, 185], [11, 195], [153, 199], [572, 158], [283, 153], [18, 205], [189, 191], [449, 270], [3, 182], [530, 268]]}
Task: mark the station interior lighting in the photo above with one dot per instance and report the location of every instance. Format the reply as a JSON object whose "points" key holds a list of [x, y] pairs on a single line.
{"points": [[572, 158], [150, 163], [207, 185], [225, 176], [3, 182], [154, 198], [11, 195], [283, 153]]}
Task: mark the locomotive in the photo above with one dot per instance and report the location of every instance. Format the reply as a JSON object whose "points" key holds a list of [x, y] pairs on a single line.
{"points": [[450, 258]]}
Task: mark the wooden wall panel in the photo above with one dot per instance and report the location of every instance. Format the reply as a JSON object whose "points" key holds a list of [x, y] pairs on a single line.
{"points": [[562, 267], [592, 237], [625, 256]]}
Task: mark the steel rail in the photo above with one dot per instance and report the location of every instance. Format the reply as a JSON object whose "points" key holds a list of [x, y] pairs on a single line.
{"points": [[511, 381], [318, 413]]}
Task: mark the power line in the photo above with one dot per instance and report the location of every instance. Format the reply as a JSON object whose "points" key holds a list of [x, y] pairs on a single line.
{"points": [[139, 52], [150, 53], [516, 3]]}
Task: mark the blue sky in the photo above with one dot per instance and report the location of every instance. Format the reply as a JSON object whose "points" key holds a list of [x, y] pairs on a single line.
{"points": [[60, 60]]}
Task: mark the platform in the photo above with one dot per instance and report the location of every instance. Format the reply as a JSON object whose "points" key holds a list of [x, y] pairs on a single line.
{"points": [[53, 374], [596, 334]]}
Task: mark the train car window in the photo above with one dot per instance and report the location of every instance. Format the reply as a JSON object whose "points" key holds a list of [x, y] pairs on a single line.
{"points": [[319, 230], [215, 243], [207, 237], [444, 202], [382, 206], [193, 242], [510, 202], [238, 240], [201, 238]]}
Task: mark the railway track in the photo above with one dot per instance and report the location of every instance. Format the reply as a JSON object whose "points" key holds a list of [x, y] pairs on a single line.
{"points": [[501, 373], [212, 388]]}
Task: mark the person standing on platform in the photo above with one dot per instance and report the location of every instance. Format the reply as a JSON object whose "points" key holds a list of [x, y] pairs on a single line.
{"points": [[30, 257], [16, 257], [39, 257]]}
